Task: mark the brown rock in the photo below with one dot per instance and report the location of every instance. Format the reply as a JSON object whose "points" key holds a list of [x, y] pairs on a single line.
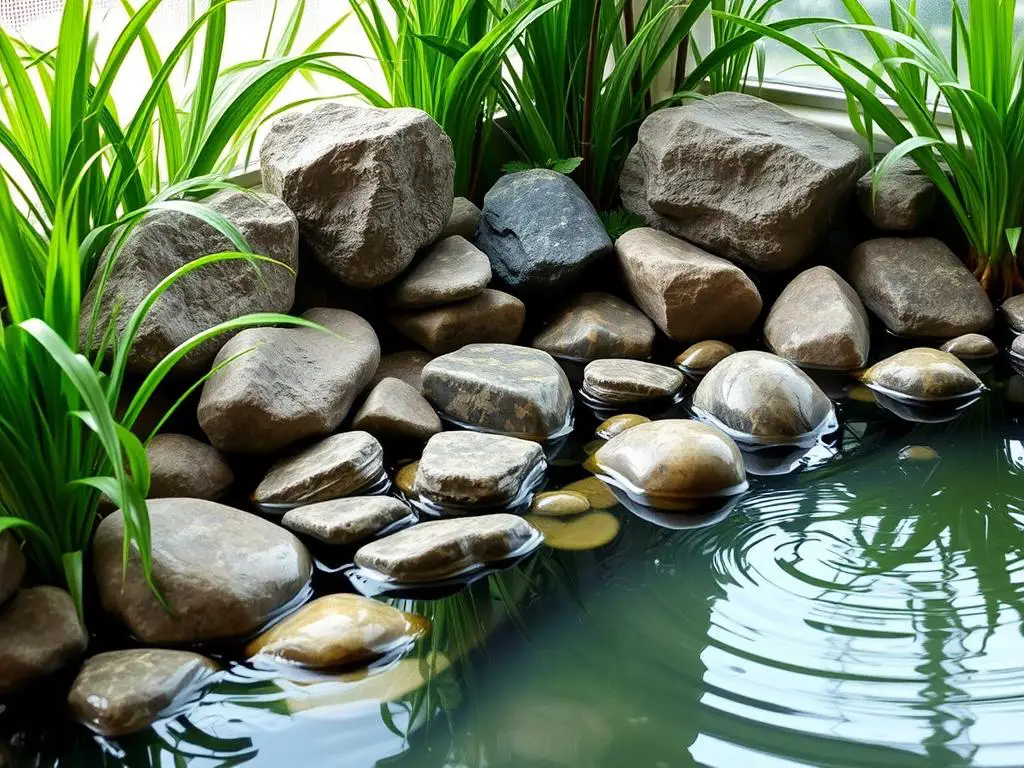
{"points": [[396, 411], [346, 521], [597, 325], [618, 424], [39, 633], [901, 200], [406, 365], [464, 220], [630, 381], [491, 317], [559, 504], [580, 534], [451, 270], [971, 346], [923, 374], [704, 355], [12, 566], [180, 465]]}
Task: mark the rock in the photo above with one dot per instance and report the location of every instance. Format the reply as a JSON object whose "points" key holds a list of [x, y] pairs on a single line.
{"points": [[339, 465], [559, 504], [597, 325], [923, 374], [1012, 311], [918, 287], [396, 411], [673, 464], [540, 231], [971, 346], [918, 453], [346, 521], [339, 630], [464, 219], [122, 692], [1017, 347], [165, 240], [472, 468], [369, 186], [406, 365], [819, 322], [405, 479], [12, 566], [740, 177], [294, 383], [598, 494], [491, 317], [763, 397], [439, 549], [501, 388], [224, 572], [451, 270], [618, 424], [39, 633], [687, 292], [582, 533], [180, 465], [630, 381], [905, 197]]}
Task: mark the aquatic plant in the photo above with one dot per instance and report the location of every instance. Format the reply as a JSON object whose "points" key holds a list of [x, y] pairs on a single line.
{"points": [[734, 73]]}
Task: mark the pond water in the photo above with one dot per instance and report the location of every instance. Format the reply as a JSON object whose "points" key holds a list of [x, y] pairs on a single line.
{"points": [[865, 610]]}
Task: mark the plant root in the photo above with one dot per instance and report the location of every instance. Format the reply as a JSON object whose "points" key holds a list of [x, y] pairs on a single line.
{"points": [[999, 280]]}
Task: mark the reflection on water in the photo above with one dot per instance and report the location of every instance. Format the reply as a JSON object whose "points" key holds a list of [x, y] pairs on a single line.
{"points": [[864, 611]]}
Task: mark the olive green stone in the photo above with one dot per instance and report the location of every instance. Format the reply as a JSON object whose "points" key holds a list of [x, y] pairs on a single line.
{"points": [[630, 381], [580, 534], [918, 453], [704, 355], [923, 374], [971, 346], [346, 521], [405, 479], [618, 424], [334, 467], [559, 504], [598, 493]]}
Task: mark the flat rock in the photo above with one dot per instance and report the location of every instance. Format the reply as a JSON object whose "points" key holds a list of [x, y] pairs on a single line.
{"points": [[180, 465], [224, 572], [971, 346], [901, 200], [122, 692], [441, 548], [369, 186], [703, 356], [166, 240], [741, 177], [687, 292], [761, 396], [346, 521], [452, 269], [336, 466], [473, 468], [819, 322], [406, 365], [923, 374], [39, 633], [12, 566], [501, 388], [630, 381], [395, 411], [339, 630], [1012, 312], [597, 325], [918, 287], [464, 220], [492, 317], [540, 231], [291, 383]]}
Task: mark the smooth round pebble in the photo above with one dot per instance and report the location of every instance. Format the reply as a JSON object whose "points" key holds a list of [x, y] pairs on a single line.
{"points": [[618, 424], [704, 355], [920, 453], [405, 479], [598, 494], [559, 504], [590, 531]]}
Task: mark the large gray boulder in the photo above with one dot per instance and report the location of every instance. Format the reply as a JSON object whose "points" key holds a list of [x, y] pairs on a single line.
{"points": [[290, 384], [898, 201], [40, 632], [740, 177], [166, 240], [369, 186]]}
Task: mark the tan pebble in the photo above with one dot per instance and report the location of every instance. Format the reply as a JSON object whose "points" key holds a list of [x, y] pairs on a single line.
{"points": [[618, 424], [559, 504], [405, 479], [590, 531], [918, 453], [599, 494]]}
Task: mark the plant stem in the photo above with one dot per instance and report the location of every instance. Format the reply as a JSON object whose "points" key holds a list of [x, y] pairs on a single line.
{"points": [[588, 97]]}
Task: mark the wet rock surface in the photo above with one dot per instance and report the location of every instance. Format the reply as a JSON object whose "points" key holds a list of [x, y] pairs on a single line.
{"points": [[39, 633], [579, 534], [559, 504], [369, 186], [687, 292], [923, 374], [346, 521], [12, 566], [120, 692], [901, 200], [224, 572], [491, 317], [618, 424], [501, 388], [180, 465], [406, 366], [971, 346], [464, 219], [595, 326], [395, 411], [701, 357], [1012, 313], [452, 269], [629, 381]]}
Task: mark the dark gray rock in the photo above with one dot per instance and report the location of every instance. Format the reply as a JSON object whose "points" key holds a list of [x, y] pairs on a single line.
{"points": [[346, 521], [597, 325], [923, 374], [396, 411], [492, 317], [452, 269], [182, 466], [903, 199], [1012, 312], [12, 566], [630, 381], [39, 633], [464, 220]]}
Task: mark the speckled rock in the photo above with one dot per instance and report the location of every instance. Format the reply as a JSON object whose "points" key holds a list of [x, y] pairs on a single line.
{"points": [[501, 388], [971, 346], [1012, 313], [630, 381], [904, 197], [396, 411], [597, 325], [686, 291], [461, 469], [618, 424], [701, 357], [923, 374], [451, 270], [224, 572], [819, 322], [674, 463], [464, 219], [369, 186], [12, 566], [180, 465], [491, 317], [39, 633], [337, 466], [918, 287], [346, 521], [763, 397], [406, 365], [441, 548], [121, 692], [291, 383]]}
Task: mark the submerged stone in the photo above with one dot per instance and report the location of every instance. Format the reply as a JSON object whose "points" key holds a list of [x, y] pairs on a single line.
{"points": [[12, 566], [598, 493], [406, 366], [39, 633], [590, 531], [439, 549], [122, 692], [701, 357], [923, 374], [180, 465], [339, 630], [346, 521], [595, 326], [918, 453], [559, 504], [491, 317], [630, 381], [618, 424], [396, 411], [452, 269], [971, 346]]}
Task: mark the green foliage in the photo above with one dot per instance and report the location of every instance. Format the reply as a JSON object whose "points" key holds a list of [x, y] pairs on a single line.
{"points": [[620, 221], [566, 166], [734, 73]]}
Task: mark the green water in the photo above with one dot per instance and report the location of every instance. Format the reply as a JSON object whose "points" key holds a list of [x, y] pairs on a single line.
{"points": [[865, 611]]}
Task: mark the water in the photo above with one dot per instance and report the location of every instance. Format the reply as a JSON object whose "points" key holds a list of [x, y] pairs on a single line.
{"points": [[866, 610]]}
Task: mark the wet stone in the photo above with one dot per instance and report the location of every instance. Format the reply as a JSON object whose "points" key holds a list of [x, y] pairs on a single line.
{"points": [[339, 630], [405, 479], [595, 326], [121, 692], [971, 346], [491, 317], [598, 493], [559, 504], [39, 633], [464, 219], [630, 381], [501, 388], [396, 411], [406, 366], [451, 270], [183, 466], [618, 424], [586, 532], [924, 374], [1012, 312], [12, 566], [918, 453], [440, 549], [346, 521], [337, 466], [701, 357], [461, 469]]}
